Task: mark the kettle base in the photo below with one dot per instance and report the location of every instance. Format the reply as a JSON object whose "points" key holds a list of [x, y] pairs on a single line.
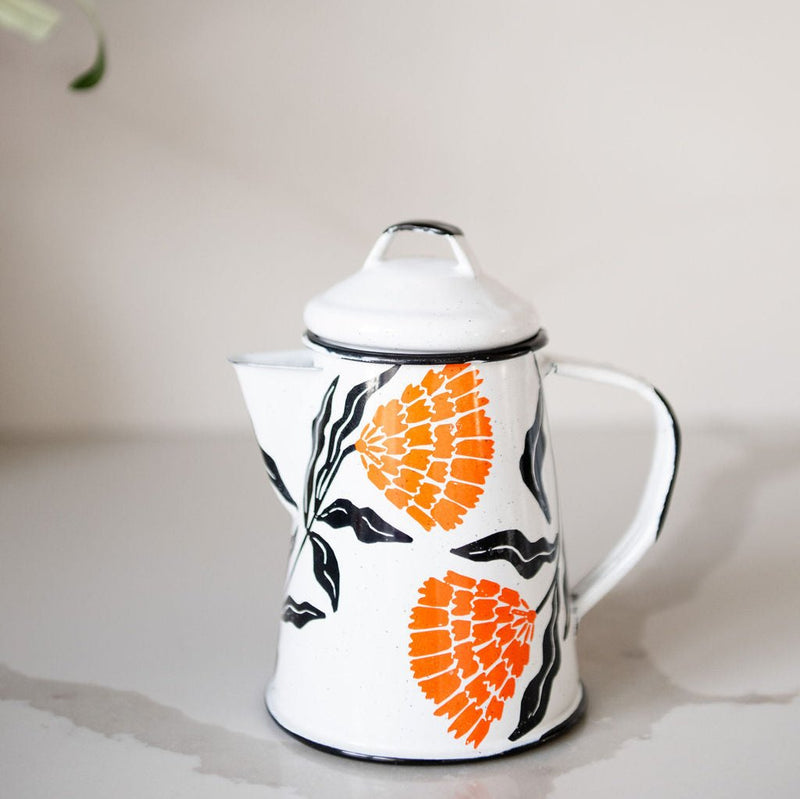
{"points": [[566, 725]]}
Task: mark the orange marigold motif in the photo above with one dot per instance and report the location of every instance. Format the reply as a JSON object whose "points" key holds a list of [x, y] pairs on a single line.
{"points": [[470, 641], [430, 451]]}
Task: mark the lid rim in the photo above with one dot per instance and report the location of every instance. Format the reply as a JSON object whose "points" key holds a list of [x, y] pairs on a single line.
{"points": [[446, 310], [500, 353]]}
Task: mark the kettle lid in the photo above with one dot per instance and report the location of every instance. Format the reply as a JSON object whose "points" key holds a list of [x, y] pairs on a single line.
{"points": [[420, 305]]}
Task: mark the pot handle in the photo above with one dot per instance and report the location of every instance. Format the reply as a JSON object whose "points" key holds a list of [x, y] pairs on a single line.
{"points": [[646, 525]]}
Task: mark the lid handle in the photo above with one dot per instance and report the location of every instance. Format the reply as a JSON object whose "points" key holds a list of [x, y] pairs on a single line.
{"points": [[426, 226], [455, 237]]}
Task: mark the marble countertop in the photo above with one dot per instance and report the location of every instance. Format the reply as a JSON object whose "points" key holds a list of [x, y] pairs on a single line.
{"points": [[140, 591]]}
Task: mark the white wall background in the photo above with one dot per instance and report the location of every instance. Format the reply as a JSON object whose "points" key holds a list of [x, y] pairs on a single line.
{"points": [[631, 167]]}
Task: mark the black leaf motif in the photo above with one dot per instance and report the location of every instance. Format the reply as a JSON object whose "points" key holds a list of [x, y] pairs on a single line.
{"points": [[530, 464], [300, 613], [275, 478], [366, 524], [354, 404], [326, 568], [527, 557], [318, 442], [537, 695]]}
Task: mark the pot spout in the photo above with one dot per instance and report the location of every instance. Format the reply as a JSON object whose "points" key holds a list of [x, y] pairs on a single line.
{"points": [[282, 393]]}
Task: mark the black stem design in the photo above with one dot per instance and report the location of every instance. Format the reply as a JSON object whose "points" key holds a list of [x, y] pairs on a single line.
{"points": [[547, 595], [319, 493], [536, 697], [317, 445], [320, 474], [325, 483], [296, 559]]}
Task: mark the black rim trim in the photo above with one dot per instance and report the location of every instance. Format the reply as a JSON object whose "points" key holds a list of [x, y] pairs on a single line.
{"points": [[677, 433], [568, 723], [531, 344], [426, 226]]}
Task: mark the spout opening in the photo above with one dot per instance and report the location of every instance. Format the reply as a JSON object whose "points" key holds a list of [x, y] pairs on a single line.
{"points": [[286, 359]]}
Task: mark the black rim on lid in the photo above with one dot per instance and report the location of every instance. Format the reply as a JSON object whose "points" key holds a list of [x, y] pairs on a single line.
{"points": [[535, 342]]}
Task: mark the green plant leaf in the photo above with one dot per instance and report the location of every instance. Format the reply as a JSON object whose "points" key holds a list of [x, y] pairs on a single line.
{"points": [[92, 76]]}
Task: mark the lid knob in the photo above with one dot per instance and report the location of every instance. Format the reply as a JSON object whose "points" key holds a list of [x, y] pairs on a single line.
{"points": [[467, 264]]}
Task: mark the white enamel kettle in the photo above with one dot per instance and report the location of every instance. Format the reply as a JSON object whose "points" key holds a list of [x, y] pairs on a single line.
{"points": [[427, 613]]}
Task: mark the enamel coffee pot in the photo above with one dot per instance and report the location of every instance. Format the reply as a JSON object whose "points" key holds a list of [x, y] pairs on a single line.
{"points": [[427, 613]]}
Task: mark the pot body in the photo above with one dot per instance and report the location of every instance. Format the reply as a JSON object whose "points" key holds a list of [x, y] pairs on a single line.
{"points": [[427, 615]]}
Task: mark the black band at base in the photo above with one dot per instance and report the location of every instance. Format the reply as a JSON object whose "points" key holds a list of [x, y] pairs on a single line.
{"points": [[559, 729]]}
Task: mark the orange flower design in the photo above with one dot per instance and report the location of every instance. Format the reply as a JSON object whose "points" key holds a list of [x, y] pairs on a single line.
{"points": [[430, 451], [470, 641]]}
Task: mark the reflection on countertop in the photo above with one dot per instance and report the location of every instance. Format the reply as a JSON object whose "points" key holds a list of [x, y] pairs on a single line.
{"points": [[141, 578]]}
